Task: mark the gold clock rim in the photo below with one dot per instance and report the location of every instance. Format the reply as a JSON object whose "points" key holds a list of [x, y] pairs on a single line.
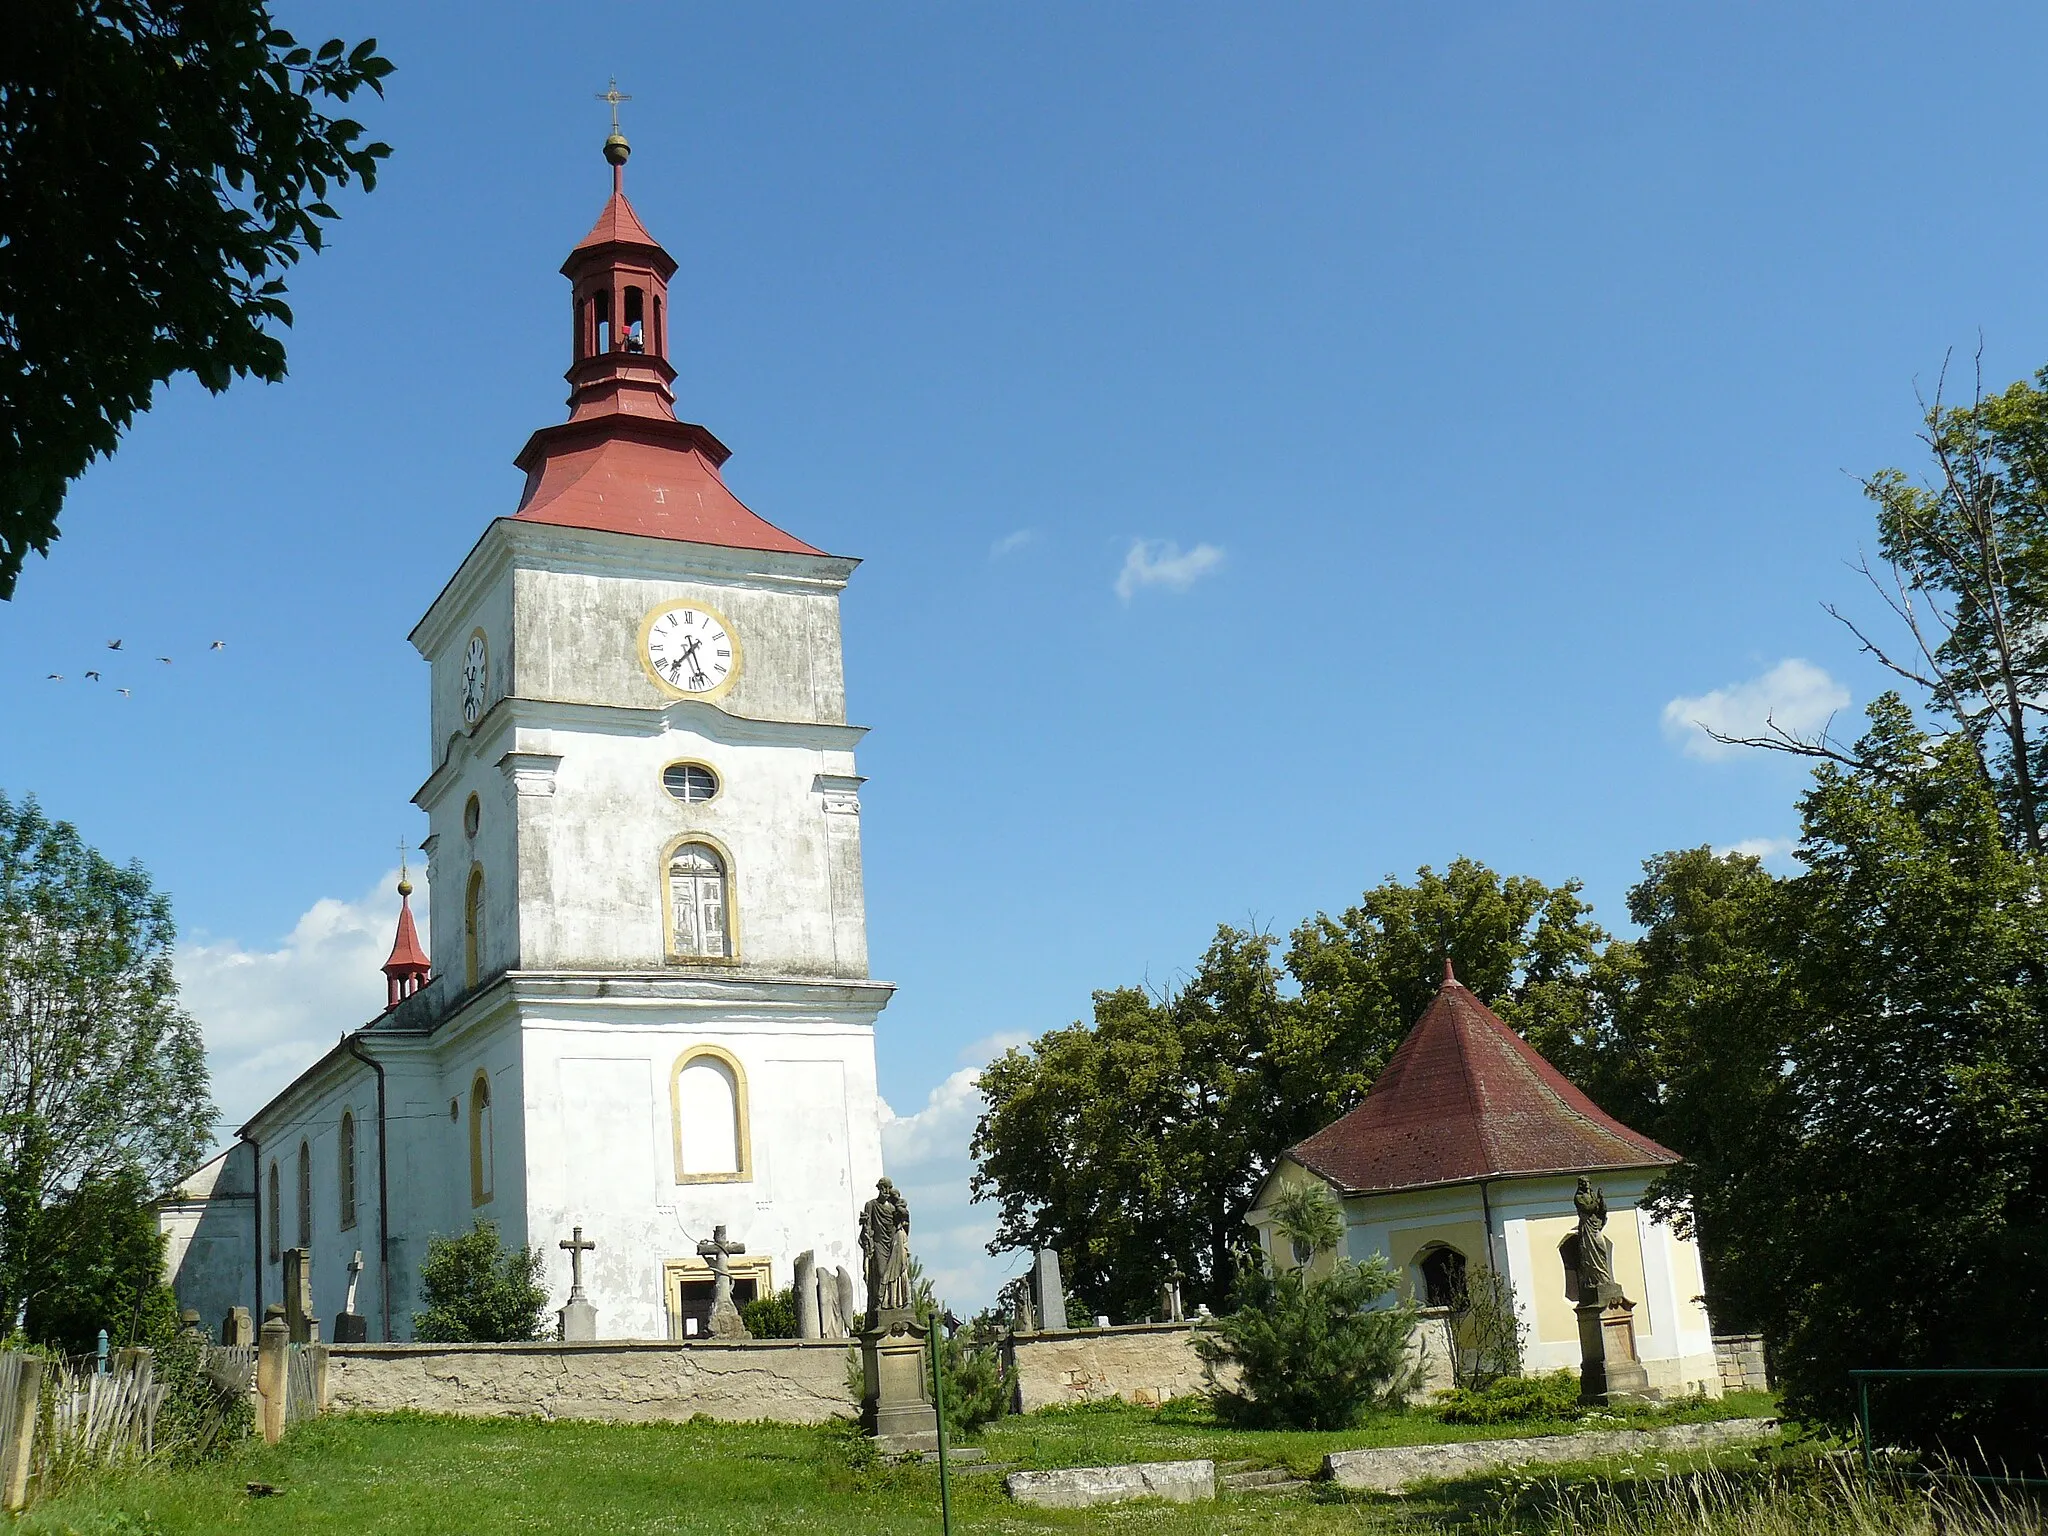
{"points": [[668, 688]]}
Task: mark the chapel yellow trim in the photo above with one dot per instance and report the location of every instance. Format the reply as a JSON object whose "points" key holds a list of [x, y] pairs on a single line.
{"points": [[742, 1131]]}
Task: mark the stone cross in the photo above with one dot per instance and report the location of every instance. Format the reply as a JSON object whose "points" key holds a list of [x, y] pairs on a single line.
{"points": [[716, 1251], [355, 1272], [577, 1247]]}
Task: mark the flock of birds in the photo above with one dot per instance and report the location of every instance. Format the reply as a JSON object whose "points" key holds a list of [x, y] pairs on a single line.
{"points": [[93, 676]]}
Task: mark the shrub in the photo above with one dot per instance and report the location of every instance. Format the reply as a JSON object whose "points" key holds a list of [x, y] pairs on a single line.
{"points": [[1488, 1333], [1514, 1399], [478, 1291], [772, 1316], [1311, 1353], [202, 1415]]}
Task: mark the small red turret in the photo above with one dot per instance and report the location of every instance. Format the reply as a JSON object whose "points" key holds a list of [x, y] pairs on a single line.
{"points": [[408, 968]]}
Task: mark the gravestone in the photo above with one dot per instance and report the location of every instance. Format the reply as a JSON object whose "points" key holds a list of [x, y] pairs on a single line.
{"points": [[1048, 1297], [896, 1404], [348, 1327], [237, 1329], [717, 1251], [845, 1308], [298, 1295], [578, 1317], [1169, 1297], [808, 1322]]}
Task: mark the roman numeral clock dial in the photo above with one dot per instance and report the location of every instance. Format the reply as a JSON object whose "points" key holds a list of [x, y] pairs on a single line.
{"points": [[690, 650]]}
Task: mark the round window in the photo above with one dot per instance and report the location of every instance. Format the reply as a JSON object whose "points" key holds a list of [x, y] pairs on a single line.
{"points": [[689, 782], [472, 815]]}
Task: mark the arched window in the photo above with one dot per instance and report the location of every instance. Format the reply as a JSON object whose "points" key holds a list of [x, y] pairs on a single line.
{"points": [[276, 1215], [708, 1098], [305, 1196], [482, 1154], [1568, 1256], [473, 929], [347, 1169], [1443, 1276], [698, 924]]}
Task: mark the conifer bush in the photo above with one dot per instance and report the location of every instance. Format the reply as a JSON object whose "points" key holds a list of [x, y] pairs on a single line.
{"points": [[1515, 1399], [1312, 1352]]}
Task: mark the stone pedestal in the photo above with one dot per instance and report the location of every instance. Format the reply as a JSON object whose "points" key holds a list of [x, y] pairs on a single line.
{"points": [[351, 1328], [809, 1322], [1048, 1296], [579, 1320], [298, 1294], [1609, 1369], [896, 1407]]}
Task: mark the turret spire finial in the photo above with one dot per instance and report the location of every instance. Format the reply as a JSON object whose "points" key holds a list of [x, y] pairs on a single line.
{"points": [[616, 149]]}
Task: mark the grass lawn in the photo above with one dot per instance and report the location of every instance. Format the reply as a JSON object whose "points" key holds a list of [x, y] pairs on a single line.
{"points": [[410, 1475]]}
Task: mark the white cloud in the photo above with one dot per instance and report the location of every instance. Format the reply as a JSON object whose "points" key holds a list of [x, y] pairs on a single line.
{"points": [[1010, 543], [1160, 563], [926, 1154], [268, 1014], [1769, 849], [1794, 695]]}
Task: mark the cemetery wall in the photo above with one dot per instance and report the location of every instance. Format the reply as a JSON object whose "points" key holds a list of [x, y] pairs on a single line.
{"points": [[1148, 1363], [625, 1381]]}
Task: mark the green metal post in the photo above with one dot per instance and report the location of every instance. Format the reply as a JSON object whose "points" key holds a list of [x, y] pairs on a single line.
{"points": [[939, 1402]]}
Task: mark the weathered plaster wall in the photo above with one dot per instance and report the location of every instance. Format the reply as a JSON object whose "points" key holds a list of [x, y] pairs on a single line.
{"points": [[1149, 1363], [209, 1223], [788, 1381]]}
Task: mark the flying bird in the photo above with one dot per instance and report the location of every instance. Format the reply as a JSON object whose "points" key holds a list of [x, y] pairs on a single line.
{"points": [[56, 677], [165, 660], [94, 676], [122, 691], [218, 645], [113, 645]]}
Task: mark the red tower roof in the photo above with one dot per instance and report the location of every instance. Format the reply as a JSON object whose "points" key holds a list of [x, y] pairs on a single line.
{"points": [[1465, 1097], [622, 462], [408, 967]]}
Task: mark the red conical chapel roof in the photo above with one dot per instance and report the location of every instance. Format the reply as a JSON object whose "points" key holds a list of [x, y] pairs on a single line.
{"points": [[1464, 1098]]}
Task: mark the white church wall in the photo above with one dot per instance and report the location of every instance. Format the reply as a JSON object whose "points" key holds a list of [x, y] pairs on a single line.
{"points": [[209, 1223], [602, 1152]]}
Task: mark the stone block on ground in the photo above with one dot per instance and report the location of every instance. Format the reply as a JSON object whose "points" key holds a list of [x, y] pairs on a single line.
{"points": [[1390, 1469], [1177, 1482]]}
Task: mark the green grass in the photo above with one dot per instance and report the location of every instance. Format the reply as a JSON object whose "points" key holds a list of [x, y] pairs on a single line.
{"points": [[1101, 1433], [410, 1475]]}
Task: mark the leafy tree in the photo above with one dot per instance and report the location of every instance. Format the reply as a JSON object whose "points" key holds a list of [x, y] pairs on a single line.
{"points": [[162, 164], [1529, 950], [103, 1086], [1872, 1164], [478, 1291], [1311, 1351], [101, 1266], [1136, 1145]]}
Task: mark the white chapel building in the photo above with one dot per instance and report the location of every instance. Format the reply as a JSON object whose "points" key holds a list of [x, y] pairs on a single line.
{"points": [[645, 1008]]}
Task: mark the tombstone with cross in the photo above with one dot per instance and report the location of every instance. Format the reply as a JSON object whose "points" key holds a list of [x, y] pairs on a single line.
{"points": [[716, 1251], [348, 1327], [578, 1316]]}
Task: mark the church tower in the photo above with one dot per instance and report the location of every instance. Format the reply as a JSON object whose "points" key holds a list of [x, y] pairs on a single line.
{"points": [[650, 1011]]}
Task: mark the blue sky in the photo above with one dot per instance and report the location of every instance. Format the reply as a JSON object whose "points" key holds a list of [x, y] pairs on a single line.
{"points": [[1288, 445]]}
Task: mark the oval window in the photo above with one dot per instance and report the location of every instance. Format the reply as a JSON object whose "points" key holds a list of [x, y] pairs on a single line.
{"points": [[472, 817], [689, 782]]}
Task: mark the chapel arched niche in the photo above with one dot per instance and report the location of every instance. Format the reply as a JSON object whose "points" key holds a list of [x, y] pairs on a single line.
{"points": [[708, 1115]]}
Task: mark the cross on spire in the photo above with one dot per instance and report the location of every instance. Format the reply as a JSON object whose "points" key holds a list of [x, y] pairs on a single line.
{"points": [[614, 95]]}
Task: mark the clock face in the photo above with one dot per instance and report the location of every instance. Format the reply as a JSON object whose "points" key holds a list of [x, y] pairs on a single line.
{"points": [[691, 649], [476, 677]]}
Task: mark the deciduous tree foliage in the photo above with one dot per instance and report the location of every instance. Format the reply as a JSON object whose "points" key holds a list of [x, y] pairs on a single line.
{"points": [[475, 1290], [103, 1085], [1134, 1144], [162, 164]]}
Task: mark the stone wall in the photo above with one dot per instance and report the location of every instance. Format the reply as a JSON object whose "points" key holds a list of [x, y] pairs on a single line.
{"points": [[790, 1381], [1741, 1359], [1147, 1363]]}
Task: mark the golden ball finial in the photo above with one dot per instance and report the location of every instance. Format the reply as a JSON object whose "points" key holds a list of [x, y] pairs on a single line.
{"points": [[404, 886], [616, 149]]}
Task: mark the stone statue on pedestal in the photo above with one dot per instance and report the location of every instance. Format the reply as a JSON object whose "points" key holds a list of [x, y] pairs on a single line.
{"points": [[896, 1401], [1609, 1368], [1596, 1248], [885, 1244]]}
